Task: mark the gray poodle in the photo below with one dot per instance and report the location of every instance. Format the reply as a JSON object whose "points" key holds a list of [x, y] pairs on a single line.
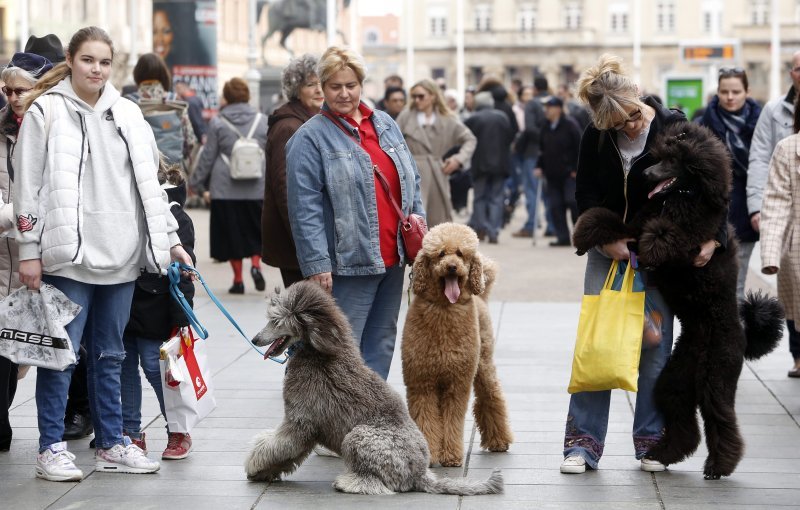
{"points": [[331, 398]]}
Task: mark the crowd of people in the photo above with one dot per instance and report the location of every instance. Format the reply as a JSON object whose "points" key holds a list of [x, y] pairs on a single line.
{"points": [[337, 175]]}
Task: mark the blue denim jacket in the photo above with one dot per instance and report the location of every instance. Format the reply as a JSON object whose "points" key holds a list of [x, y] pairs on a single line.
{"points": [[331, 188]]}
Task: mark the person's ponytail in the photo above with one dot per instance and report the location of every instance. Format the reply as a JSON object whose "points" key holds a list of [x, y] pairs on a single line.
{"points": [[46, 82]]}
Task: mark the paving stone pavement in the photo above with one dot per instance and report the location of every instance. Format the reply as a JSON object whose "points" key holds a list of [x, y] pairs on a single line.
{"points": [[535, 310]]}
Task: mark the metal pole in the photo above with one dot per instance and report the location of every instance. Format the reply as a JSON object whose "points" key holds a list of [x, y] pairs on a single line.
{"points": [[775, 52], [252, 76], [460, 71], [355, 39], [637, 41], [24, 23], [133, 47], [409, 20], [331, 24]]}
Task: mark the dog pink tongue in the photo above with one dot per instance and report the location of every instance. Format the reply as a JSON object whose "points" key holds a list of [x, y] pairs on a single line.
{"points": [[451, 289], [658, 187]]}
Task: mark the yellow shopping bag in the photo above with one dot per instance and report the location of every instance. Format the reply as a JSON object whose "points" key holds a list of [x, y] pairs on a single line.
{"points": [[609, 340]]}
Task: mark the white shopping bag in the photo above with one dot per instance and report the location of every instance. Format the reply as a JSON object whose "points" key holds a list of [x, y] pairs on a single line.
{"points": [[32, 327], [186, 381]]}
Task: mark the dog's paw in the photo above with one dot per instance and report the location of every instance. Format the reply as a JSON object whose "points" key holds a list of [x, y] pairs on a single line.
{"points": [[451, 462], [498, 446]]}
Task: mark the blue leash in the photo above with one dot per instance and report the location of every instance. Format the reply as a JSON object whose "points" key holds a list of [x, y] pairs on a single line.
{"points": [[174, 273]]}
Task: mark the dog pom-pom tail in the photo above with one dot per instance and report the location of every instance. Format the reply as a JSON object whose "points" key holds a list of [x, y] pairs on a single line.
{"points": [[462, 486], [763, 318]]}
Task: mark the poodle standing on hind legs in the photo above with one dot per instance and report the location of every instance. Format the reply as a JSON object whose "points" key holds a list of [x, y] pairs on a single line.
{"points": [[687, 207], [448, 345]]}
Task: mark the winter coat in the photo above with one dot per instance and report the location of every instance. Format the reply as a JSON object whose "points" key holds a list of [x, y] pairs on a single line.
{"points": [[775, 123], [494, 134], [56, 220], [738, 214], [559, 149], [154, 313], [428, 146], [528, 143], [213, 173], [277, 245], [9, 251], [780, 223]]}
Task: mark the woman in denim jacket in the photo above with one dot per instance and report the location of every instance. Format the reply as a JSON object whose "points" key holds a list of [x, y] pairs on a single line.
{"points": [[345, 229]]}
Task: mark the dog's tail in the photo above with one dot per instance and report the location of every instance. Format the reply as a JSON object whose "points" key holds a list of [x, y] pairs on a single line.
{"points": [[762, 316], [462, 486]]}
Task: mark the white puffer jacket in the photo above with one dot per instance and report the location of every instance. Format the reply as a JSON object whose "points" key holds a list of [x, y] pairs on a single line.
{"points": [[48, 204]]}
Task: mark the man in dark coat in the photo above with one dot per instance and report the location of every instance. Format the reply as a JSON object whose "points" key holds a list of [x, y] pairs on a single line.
{"points": [[558, 163], [490, 164]]}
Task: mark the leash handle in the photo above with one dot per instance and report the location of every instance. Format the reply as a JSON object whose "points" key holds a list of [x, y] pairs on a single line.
{"points": [[174, 273]]}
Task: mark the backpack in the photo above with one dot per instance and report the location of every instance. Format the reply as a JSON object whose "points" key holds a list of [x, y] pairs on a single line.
{"points": [[164, 117], [247, 160]]}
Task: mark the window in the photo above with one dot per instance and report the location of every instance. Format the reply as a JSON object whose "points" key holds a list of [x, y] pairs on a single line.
{"points": [[526, 17], [618, 13], [712, 17], [759, 12], [437, 21], [573, 13], [665, 16], [437, 72], [372, 37], [483, 17]]}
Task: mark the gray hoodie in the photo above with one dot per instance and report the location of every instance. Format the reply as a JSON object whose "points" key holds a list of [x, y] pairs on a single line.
{"points": [[81, 206]]}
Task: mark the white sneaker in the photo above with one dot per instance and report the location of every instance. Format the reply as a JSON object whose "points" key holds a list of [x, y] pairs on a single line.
{"points": [[124, 459], [574, 465], [324, 452], [56, 464], [652, 465]]}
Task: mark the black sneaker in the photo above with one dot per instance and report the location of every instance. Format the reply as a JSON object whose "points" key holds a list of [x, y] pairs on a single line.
{"points": [[77, 426], [236, 288], [258, 278]]}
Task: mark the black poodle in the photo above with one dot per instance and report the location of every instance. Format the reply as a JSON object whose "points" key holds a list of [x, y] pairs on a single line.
{"points": [[687, 207]]}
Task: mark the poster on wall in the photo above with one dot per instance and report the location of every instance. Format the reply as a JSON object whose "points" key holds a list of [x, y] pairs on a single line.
{"points": [[185, 35]]}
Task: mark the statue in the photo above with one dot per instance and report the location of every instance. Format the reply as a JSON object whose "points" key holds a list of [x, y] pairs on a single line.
{"points": [[286, 15]]}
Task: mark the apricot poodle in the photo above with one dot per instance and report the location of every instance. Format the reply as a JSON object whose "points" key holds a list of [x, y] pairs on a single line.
{"points": [[448, 345]]}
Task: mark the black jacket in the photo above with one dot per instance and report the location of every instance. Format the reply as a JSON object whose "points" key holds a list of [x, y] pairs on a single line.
{"points": [[528, 143], [495, 134], [154, 313], [559, 149]]}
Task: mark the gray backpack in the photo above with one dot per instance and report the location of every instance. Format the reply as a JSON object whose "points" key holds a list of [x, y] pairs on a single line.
{"points": [[247, 160], [164, 117]]}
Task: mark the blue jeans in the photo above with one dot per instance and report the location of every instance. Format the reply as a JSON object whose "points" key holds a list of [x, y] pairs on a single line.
{"points": [[372, 304], [587, 419], [146, 351], [99, 326], [487, 205], [514, 179], [530, 185]]}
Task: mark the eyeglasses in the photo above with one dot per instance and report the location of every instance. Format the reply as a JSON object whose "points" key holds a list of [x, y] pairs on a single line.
{"points": [[731, 71], [632, 117], [7, 91], [418, 96]]}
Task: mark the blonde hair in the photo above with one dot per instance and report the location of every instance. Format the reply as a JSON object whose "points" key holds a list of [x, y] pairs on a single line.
{"points": [[335, 59], [439, 105], [607, 90], [62, 70]]}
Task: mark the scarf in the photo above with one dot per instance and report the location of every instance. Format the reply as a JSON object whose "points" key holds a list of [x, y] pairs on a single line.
{"points": [[735, 129]]}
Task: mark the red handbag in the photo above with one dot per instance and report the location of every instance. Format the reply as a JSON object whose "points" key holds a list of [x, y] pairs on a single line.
{"points": [[412, 227]]}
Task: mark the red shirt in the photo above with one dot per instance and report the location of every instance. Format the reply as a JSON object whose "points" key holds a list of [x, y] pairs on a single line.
{"points": [[388, 221]]}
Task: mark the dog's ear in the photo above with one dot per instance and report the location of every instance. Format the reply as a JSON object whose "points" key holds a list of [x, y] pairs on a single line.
{"points": [[476, 282], [422, 273], [320, 321]]}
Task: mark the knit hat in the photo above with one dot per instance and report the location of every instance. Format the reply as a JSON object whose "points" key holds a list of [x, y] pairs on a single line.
{"points": [[31, 62], [49, 47]]}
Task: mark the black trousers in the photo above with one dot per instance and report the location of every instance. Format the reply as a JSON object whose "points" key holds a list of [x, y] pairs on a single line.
{"points": [[561, 197], [8, 388]]}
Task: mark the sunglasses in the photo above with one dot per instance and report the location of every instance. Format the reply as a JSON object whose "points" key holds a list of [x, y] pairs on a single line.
{"points": [[633, 117], [418, 96], [731, 71], [8, 91]]}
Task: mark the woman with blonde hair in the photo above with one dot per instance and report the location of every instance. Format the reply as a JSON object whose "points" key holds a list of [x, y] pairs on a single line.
{"points": [[90, 218], [431, 130], [614, 152], [344, 168]]}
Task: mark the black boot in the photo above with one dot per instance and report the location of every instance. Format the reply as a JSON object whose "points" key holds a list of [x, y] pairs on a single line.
{"points": [[77, 426]]}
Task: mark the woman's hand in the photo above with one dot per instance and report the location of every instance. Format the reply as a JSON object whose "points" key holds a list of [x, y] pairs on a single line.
{"points": [[30, 273], [207, 197], [755, 221], [706, 251], [451, 165], [618, 250], [178, 254], [325, 280]]}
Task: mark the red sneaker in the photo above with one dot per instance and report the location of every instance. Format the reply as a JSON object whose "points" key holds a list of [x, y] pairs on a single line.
{"points": [[178, 446], [138, 442]]}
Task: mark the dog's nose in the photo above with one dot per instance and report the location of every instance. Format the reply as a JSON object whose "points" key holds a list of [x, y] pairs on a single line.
{"points": [[451, 268]]}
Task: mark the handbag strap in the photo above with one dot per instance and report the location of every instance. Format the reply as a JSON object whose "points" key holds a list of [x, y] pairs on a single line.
{"points": [[375, 169], [174, 273]]}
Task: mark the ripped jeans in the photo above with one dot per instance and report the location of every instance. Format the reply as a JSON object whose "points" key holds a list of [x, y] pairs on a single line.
{"points": [[99, 326], [587, 418]]}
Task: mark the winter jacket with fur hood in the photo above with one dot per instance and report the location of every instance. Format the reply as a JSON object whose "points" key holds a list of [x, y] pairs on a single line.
{"points": [[9, 251], [89, 205]]}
